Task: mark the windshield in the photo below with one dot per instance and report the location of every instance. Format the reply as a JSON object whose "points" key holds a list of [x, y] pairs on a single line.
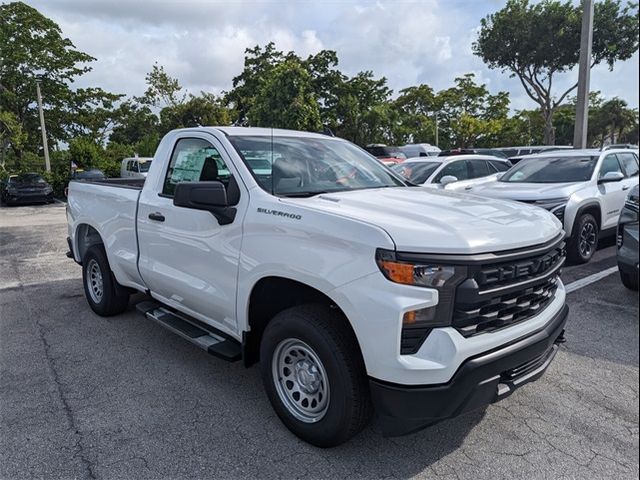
{"points": [[416, 172], [552, 170], [144, 165], [27, 178], [298, 166]]}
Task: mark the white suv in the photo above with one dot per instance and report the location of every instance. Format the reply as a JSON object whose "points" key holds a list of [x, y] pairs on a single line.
{"points": [[585, 189], [455, 172]]}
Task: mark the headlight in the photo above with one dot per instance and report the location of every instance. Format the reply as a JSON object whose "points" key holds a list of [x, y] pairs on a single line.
{"points": [[417, 324], [48, 190], [551, 203], [559, 212]]}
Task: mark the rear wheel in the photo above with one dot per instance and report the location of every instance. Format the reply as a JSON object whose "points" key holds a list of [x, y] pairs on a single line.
{"points": [[314, 375], [105, 296], [584, 241]]}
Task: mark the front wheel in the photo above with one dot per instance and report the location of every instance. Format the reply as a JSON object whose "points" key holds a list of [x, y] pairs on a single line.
{"points": [[584, 240], [629, 280], [314, 375], [105, 296]]}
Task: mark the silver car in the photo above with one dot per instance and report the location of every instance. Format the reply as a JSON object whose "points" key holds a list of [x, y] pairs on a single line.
{"points": [[584, 189]]}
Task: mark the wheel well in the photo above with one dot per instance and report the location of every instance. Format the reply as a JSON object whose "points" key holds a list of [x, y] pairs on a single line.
{"points": [[270, 296], [87, 236], [592, 209]]}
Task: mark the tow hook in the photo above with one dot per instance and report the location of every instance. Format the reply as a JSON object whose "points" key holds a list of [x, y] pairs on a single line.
{"points": [[561, 338]]}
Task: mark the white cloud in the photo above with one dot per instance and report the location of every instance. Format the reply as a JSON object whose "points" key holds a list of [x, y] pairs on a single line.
{"points": [[202, 42]]}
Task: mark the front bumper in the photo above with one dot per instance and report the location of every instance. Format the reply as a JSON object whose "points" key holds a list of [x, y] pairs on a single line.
{"points": [[480, 380], [27, 198]]}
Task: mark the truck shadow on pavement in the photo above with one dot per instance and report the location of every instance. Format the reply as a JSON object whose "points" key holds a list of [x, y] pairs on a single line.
{"points": [[147, 404]]}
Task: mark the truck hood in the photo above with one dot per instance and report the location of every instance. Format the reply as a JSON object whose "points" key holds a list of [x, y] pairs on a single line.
{"points": [[527, 191], [439, 221]]}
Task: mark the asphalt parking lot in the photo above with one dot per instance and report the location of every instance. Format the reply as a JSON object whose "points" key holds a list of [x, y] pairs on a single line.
{"points": [[88, 397]]}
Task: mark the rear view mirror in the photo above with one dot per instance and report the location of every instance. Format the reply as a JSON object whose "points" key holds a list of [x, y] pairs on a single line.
{"points": [[447, 179], [209, 196], [610, 177]]}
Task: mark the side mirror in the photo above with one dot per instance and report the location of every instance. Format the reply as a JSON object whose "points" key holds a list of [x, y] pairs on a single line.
{"points": [[447, 179], [499, 175], [209, 196], [610, 177]]}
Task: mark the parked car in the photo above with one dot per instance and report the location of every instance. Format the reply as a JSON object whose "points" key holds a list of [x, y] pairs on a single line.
{"points": [[620, 145], [584, 189], [519, 152], [627, 241], [26, 188], [90, 175], [420, 150], [457, 172], [136, 167], [472, 151], [387, 155], [332, 272]]}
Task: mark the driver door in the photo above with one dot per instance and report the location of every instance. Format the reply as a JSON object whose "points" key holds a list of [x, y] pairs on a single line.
{"points": [[187, 259], [613, 194]]}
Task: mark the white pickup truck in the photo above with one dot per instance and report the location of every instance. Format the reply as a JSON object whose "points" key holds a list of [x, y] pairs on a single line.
{"points": [[353, 290]]}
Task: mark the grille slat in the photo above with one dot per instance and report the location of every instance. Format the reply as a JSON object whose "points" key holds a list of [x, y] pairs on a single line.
{"points": [[500, 294]]}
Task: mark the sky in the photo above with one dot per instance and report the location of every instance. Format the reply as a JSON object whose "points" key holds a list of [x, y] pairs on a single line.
{"points": [[202, 42]]}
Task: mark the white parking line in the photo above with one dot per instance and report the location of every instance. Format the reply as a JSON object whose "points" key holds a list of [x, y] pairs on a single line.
{"points": [[583, 282]]}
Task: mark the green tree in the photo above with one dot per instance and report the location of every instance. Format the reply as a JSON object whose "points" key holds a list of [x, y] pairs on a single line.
{"points": [[286, 99], [363, 111], [162, 89], [536, 42], [133, 122], [10, 134], [417, 108], [31, 47], [202, 110], [469, 115], [258, 64]]}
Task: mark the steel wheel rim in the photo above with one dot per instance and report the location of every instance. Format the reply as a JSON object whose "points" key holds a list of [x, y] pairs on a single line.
{"points": [[300, 380], [588, 238], [94, 281]]}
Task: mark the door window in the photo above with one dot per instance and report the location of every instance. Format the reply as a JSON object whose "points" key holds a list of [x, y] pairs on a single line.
{"points": [[630, 163], [609, 164], [194, 160], [457, 169], [499, 166], [479, 168]]}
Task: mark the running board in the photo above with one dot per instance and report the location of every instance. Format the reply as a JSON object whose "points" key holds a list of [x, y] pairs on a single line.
{"points": [[190, 330]]}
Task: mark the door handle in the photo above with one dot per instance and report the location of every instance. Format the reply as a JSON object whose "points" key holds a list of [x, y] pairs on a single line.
{"points": [[157, 216], [626, 187]]}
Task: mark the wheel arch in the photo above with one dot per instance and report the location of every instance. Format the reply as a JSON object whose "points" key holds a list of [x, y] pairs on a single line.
{"points": [[273, 294], [594, 208], [85, 236]]}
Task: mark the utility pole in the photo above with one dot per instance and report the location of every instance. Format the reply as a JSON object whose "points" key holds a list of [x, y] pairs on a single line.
{"points": [[436, 117], [43, 129], [582, 107]]}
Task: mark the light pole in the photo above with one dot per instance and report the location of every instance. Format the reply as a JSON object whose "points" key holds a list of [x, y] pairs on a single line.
{"points": [[43, 129], [436, 119], [582, 106]]}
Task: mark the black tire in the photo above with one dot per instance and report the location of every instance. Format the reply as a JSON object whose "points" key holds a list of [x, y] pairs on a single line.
{"points": [[114, 298], [328, 335], [629, 280], [584, 241]]}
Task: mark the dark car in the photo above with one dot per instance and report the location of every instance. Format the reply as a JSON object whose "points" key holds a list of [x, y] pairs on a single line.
{"points": [[26, 188], [472, 151], [628, 241]]}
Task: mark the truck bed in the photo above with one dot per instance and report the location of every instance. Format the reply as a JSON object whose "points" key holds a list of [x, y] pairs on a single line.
{"points": [[134, 183]]}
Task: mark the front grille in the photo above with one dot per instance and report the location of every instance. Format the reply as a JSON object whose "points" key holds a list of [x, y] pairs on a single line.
{"points": [[501, 293]]}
